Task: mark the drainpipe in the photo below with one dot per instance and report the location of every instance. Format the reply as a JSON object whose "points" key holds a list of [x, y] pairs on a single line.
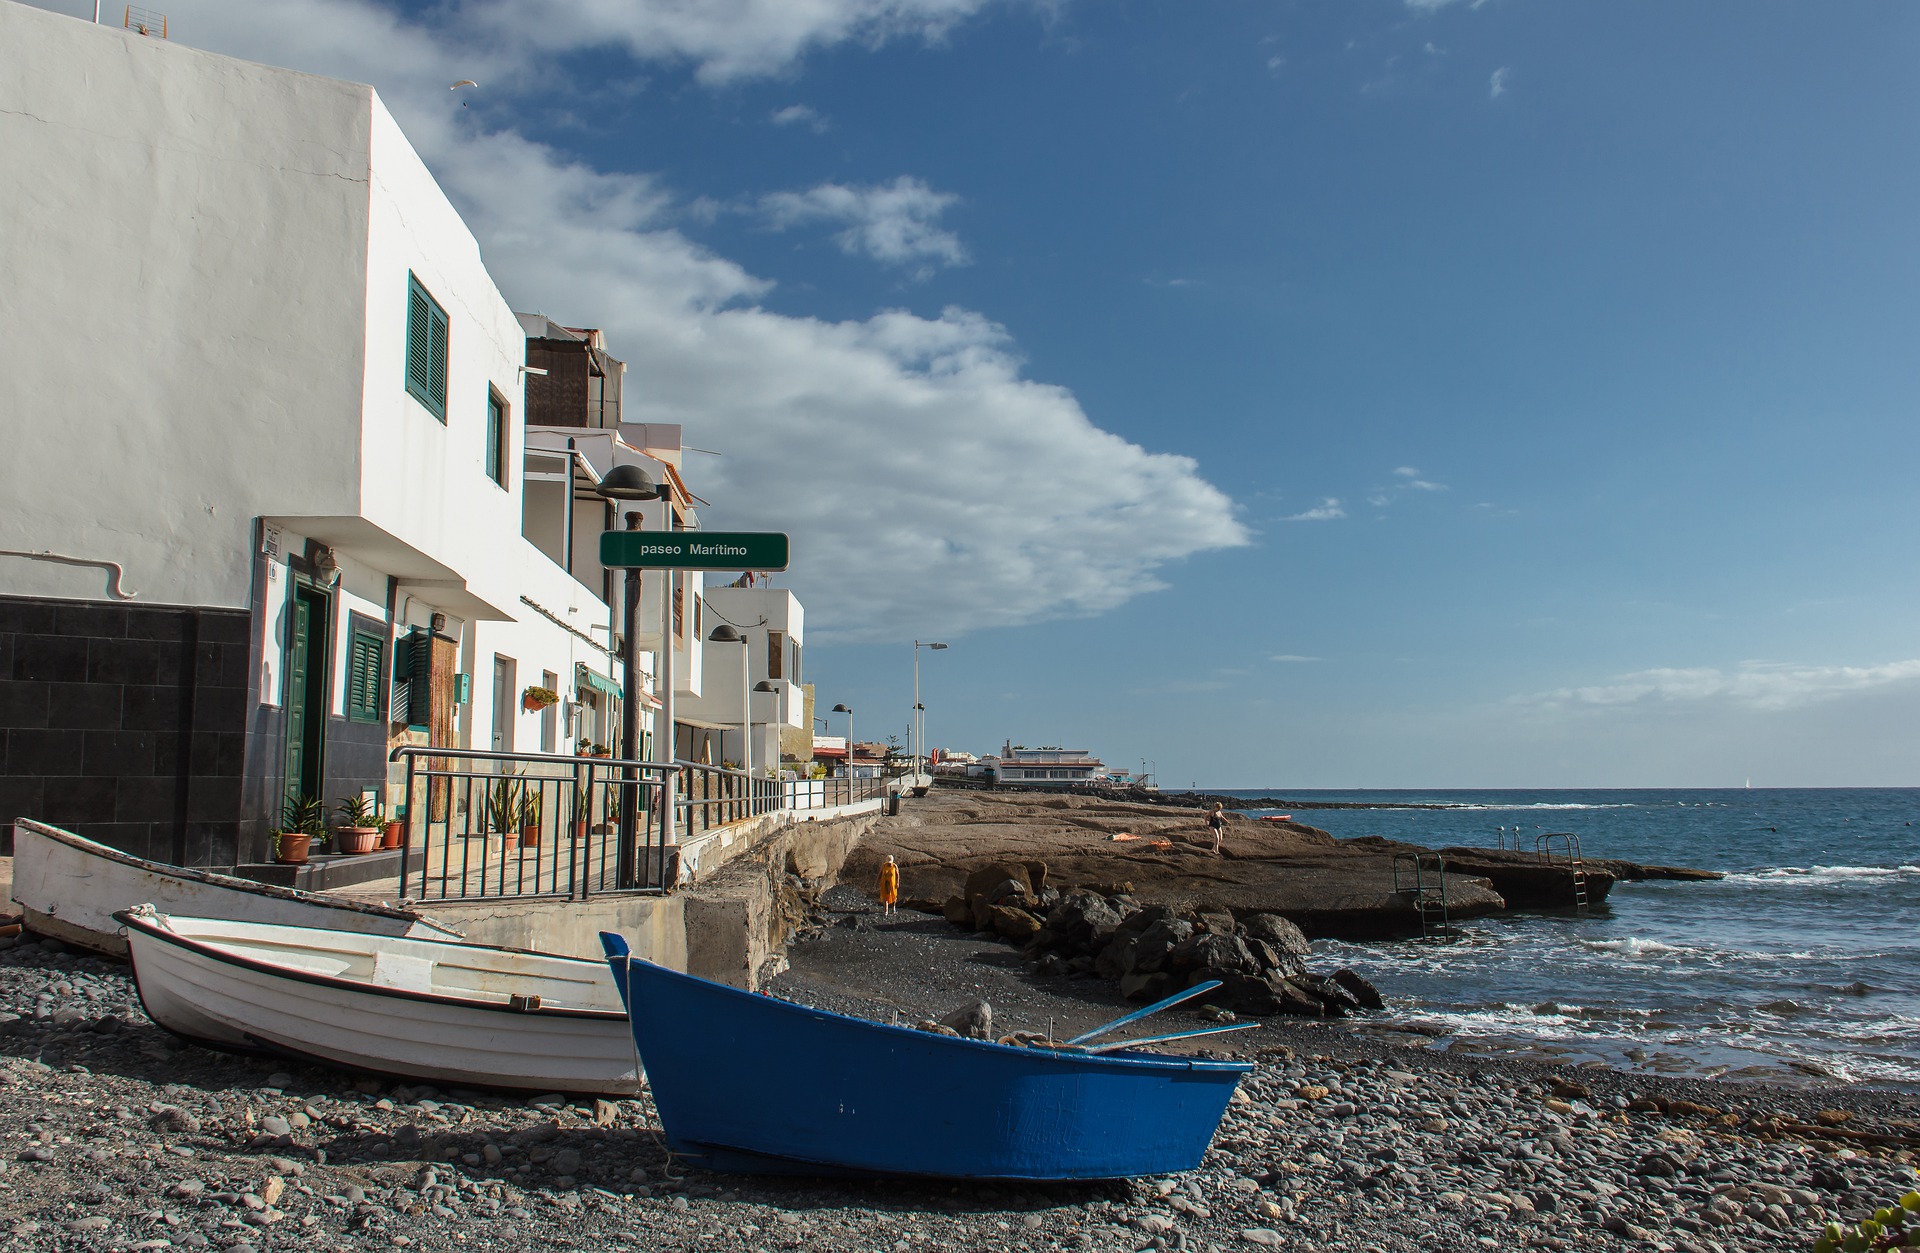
{"points": [[566, 513]]}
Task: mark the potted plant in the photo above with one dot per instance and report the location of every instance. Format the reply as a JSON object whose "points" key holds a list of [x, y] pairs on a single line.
{"points": [[396, 832], [530, 817], [357, 832], [582, 798], [503, 800], [303, 827], [534, 699]]}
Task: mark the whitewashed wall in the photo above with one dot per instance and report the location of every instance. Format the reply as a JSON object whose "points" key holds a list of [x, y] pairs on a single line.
{"points": [[174, 367]]}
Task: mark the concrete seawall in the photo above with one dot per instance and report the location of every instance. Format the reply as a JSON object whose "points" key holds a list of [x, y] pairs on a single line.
{"points": [[730, 924]]}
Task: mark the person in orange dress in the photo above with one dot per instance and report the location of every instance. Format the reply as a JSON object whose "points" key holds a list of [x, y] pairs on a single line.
{"points": [[889, 885]]}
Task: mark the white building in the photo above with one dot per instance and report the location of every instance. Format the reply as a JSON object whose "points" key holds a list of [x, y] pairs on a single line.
{"points": [[264, 414], [772, 627], [1051, 766]]}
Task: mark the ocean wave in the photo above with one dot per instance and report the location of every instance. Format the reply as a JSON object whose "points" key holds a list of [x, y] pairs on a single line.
{"points": [[1816, 875], [1635, 946], [1551, 805]]}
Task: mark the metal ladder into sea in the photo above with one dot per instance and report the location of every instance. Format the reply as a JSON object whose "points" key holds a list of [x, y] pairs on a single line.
{"points": [[1410, 871], [1568, 845]]}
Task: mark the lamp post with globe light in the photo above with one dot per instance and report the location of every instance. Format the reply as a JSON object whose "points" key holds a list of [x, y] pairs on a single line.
{"points": [[629, 483]]}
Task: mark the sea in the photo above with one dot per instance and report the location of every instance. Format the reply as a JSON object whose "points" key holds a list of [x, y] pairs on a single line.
{"points": [[1801, 965]]}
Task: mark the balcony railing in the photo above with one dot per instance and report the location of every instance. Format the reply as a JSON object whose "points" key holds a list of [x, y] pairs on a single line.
{"points": [[805, 794], [711, 796], [485, 824]]}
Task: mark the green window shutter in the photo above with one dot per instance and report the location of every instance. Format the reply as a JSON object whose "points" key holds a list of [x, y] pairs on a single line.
{"points": [[496, 438], [364, 677], [426, 349], [437, 363]]}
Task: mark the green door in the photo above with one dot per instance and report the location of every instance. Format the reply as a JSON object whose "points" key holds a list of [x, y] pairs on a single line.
{"points": [[306, 691]]}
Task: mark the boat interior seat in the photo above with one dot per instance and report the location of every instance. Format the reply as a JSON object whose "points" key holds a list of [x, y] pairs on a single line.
{"points": [[404, 972]]}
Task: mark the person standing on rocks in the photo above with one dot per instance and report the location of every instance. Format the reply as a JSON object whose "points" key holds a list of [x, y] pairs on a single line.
{"points": [[1217, 823], [889, 885]]}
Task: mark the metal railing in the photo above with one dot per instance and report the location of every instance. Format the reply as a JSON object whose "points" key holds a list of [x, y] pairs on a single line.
{"points": [[1410, 871], [712, 796], [485, 824], [828, 793]]}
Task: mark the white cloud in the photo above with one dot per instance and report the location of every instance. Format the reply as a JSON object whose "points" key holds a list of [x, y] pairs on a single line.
{"points": [[725, 40], [800, 115], [1497, 83], [1409, 481], [1291, 657], [1326, 511], [1752, 684], [896, 223], [927, 485]]}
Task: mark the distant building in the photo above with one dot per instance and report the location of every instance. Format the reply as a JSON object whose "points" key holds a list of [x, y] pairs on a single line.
{"points": [[1049, 765]]}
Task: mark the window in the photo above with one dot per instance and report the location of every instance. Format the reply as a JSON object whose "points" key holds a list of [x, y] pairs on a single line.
{"points": [[426, 349], [776, 649], [497, 440], [365, 663]]}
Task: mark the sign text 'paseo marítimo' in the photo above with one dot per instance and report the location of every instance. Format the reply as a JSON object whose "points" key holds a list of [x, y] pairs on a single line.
{"points": [[694, 550]]}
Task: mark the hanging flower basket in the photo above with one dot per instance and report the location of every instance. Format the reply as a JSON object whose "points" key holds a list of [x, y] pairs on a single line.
{"points": [[534, 699]]}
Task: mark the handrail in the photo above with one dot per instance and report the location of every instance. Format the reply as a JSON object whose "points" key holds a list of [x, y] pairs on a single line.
{"points": [[557, 825]]}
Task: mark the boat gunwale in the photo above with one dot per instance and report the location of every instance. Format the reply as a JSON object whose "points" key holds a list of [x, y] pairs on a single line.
{"points": [[134, 921], [213, 878], [1119, 1060]]}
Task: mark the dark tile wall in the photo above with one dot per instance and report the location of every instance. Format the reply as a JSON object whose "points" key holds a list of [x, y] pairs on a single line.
{"points": [[126, 723]]}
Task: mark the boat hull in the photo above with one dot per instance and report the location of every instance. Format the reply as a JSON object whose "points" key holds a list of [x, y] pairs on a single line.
{"points": [[70, 887], [224, 994], [757, 1085]]}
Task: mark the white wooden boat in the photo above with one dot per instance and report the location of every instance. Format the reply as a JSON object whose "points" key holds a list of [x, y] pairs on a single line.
{"points": [[459, 1015], [70, 888]]}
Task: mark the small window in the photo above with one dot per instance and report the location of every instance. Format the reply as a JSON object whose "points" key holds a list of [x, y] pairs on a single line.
{"points": [[776, 647], [497, 440], [426, 349], [365, 664]]}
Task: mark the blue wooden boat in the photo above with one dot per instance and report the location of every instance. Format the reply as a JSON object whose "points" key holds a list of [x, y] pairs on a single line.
{"points": [[756, 1085]]}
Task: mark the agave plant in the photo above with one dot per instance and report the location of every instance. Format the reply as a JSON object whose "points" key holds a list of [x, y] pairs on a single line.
{"points": [[305, 815], [1886, 1229], [505, 796]]}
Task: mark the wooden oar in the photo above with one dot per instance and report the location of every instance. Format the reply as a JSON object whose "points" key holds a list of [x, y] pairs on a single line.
{"points": [[1162, 1039], [1154, 1008]]}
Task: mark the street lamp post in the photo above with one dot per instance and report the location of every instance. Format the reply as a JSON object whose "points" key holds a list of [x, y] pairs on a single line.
{"points": [[772, 766], [631, 483], [847, 710], [725, 634], [919, 710]]}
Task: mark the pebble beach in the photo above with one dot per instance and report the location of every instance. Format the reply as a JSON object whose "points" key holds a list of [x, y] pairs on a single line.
{"points": [[116, 1136]]}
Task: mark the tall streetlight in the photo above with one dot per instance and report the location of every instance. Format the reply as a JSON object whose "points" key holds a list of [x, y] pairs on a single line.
{"points": [[631, 483], [847, 710], [919, 710], [725, 634]]}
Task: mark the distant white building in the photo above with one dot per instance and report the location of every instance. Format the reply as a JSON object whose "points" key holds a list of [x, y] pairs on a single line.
{"points": [[1051, 766]]}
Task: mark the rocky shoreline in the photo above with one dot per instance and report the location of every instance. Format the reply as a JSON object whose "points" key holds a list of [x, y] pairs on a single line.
{"points": [[116, 1136]]}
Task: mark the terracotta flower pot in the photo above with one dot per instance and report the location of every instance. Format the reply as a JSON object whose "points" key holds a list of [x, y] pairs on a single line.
{"points": [[580, 829], [290, 848], [530, 835], [353, 841], [395, 832]]}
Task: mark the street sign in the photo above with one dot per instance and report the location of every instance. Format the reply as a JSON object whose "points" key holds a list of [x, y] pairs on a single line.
{"points": [[694, 550]]}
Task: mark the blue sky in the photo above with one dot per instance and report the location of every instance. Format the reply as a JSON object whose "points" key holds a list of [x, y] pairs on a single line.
{"points": [[1338, 394]]}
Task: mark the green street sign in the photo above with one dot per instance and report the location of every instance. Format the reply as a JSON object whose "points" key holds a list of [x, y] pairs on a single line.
{"points": [[694, 550]]}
